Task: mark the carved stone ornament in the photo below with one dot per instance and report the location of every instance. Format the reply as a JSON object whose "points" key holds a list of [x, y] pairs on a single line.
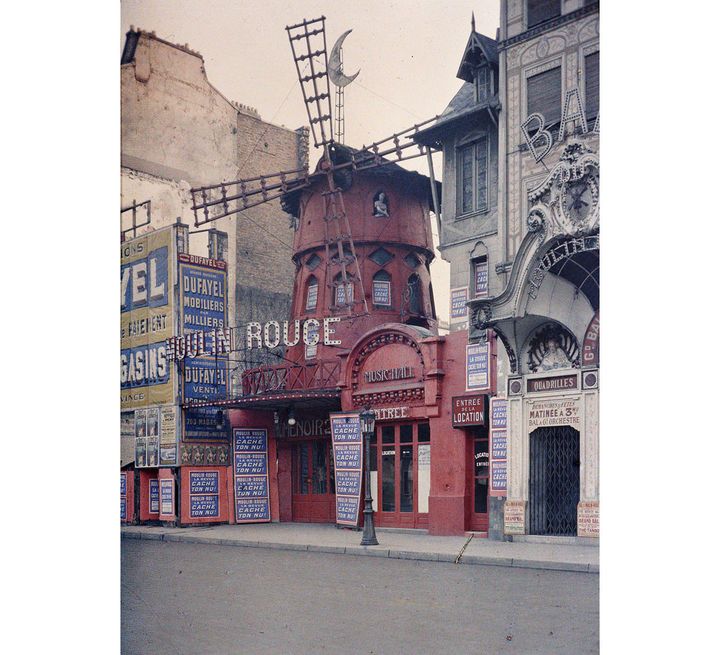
{"points": [[483, 316], [568, 200], [551, 348]]}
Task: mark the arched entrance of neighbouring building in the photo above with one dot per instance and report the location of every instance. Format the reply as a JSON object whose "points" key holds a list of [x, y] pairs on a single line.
{"points": [[554, 480]]}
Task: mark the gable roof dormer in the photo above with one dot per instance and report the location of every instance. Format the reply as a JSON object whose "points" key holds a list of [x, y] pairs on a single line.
{"points": [[479, 49]]}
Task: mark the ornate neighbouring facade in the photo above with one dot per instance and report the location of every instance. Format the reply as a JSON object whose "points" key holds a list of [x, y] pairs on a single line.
{"points": [[547, 314]]}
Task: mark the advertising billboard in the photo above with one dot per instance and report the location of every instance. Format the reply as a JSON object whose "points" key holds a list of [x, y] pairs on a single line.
{"points": [[203, 306], [147, 270]]}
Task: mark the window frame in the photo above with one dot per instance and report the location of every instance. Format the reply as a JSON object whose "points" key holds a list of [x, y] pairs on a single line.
{"points": [[385, 279], [588, 52], [555, 64], [472, 145], [526, 15], [311, 281]]}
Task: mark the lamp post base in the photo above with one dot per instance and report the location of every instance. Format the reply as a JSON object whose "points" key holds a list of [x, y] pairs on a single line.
{"points": [[368, 536]]}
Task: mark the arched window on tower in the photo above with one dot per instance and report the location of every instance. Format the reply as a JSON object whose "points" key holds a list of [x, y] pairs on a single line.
{"points": [[381, 293], [343, 292], [311, 293]]}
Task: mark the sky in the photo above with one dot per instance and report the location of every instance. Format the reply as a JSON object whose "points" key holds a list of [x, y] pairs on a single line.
{"points": [[407, 52]]}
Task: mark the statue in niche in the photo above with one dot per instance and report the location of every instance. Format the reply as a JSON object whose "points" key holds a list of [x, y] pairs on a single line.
{"points": [[380, 205], [554, 357]]}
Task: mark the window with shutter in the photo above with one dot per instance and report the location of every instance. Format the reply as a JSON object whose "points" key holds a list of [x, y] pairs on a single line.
{"points": [[544, 95], [592, 85], [538, 11]]}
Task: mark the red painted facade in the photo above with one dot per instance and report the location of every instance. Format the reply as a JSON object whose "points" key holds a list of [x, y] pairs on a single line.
{"points": [[423, 470]]}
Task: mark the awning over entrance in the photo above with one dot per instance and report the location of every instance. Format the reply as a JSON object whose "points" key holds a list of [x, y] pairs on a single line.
{"points": [[310, 398]]}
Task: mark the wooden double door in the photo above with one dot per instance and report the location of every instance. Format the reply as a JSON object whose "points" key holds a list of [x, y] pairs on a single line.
{"points": [[400, 474], [313, 481]]}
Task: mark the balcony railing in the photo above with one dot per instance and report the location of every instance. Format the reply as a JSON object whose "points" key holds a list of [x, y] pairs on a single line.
{"points": [[291, 377]]}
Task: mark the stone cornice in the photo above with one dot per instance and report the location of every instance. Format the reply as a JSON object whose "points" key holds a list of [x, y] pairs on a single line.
{"points": [[548, 26]]}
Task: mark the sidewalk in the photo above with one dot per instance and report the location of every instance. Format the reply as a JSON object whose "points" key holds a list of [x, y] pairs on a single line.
{"points": [[399, 545]]}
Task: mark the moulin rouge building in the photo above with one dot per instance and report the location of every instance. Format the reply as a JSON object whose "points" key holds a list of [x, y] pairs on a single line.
{"points": [[492, 428]]}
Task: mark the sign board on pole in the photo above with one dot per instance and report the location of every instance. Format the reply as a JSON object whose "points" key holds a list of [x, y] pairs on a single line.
{"points": [[252, 489], [347, 452]]}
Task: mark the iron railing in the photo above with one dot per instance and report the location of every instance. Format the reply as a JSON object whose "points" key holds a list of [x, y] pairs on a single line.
{"points": [[291, 377]]}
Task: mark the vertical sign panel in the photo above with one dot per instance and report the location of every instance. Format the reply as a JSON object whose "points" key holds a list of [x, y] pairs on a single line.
{"points": [[167, 499], [252, 491], [203, 293], [481, 278], [458, 306], [123, 497], [498, 447], [154, 507], [347, 453], [477, 366], [146, 319]]}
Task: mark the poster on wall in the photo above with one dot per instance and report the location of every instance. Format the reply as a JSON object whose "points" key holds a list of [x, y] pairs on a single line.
{"points": [[146, 319], [481, 278], [252, 489], [123, 497], [204, 379], [154, 502], [168, 435], [203, 302], [458, 307], [167, 499], [498, 446], [347, 454], [477, 366], [204, 494], [141, 452]]}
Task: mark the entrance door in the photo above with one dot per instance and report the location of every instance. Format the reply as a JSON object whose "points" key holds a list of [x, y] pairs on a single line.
{"points": [[313, 482], [480, 482], [401, 463], [554, 480]]}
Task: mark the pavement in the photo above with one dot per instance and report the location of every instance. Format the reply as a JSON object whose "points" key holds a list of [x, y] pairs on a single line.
{"points": [[394, 544]]}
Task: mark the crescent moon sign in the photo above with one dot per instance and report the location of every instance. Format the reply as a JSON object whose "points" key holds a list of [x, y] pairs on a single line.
{"points": [[335, 67]]}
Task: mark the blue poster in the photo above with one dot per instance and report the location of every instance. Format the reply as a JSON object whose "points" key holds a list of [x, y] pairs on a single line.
{"points": [[123, 509], [458, 303], [123, 485], [347, 483], [154, 497], [251, 486], [499, 476], [204, 379], [252, 489], [347, 509], [477, 367], [203, 506], [347, 452], [498, 413], [499, 444], [204, 482], [250, 441], [203, 298], [250, 463], [252, 510]]}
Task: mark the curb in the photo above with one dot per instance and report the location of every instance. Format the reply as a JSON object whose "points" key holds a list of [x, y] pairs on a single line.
{"points": [[365, 551]]}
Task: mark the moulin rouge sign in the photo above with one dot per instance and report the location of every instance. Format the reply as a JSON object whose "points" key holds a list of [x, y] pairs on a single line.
{"points": [[272, 334]]}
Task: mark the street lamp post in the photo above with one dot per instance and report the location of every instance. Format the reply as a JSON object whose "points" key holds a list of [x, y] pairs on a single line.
{"points": [[367, 425]]}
